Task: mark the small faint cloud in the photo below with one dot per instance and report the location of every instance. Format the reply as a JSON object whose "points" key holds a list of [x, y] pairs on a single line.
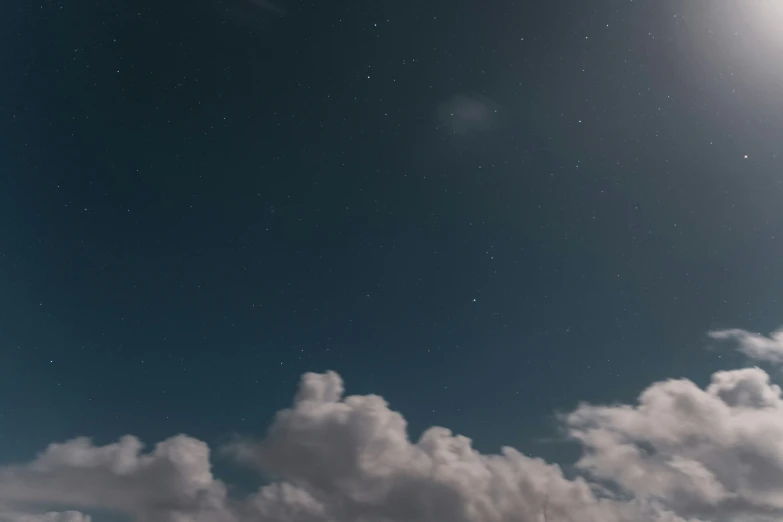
{"points": [[754, 345], [267, 6], [468, 114], [251, 14]]}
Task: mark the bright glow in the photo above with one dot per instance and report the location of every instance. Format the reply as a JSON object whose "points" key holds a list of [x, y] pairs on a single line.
{"points": [[766, 16], [743, 41]]}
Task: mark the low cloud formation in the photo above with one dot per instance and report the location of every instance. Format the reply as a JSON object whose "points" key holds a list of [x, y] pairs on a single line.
{"points": [[172, 483], [350, 459], [714, 453], [681, 453], [754, 345], [52, 516]]}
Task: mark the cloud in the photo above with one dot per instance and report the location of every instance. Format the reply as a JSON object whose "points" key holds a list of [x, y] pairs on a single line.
{"points": [[466, 115], [267, 6], [250, 14], [172, 483], [713, 453], [349, 459], [755, 346], [681, 453], [52, 516]]}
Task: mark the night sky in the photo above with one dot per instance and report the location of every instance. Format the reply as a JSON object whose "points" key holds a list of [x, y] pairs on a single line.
{"points": [[488, 213]]}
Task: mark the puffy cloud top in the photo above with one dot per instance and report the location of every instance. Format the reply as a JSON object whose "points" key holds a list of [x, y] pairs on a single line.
{"points": [[350, 459], [681, 453], [171, 482], [715, 453]]}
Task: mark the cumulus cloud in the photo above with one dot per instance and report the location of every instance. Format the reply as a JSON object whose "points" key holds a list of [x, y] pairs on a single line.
{"points": [[172, 483], [681, 453], [350, 459], [713, 453], [754, 345]]}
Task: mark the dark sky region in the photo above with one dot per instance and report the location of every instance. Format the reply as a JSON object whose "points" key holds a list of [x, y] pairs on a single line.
{"points": [[514, 219]]}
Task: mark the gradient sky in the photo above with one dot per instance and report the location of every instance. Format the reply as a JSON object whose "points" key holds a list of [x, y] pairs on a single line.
{"points": [[486, 212]]}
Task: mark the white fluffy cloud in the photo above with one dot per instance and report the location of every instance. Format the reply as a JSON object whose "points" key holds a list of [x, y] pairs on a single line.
{"points": [[682, 453], [754, 345], [172, 483], [714, 453], [349, 459]]}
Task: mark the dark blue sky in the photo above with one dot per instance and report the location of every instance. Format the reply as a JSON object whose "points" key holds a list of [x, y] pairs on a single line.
{"points": [[483, 213]]}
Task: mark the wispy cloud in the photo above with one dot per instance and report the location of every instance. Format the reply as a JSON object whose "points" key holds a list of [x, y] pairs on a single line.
{"points": [[466, 115], [251, 14], [754, 345], [267, 6]]}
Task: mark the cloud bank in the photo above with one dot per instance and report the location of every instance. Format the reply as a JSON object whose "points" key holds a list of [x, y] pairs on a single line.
{"points": [[680, 453]]}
